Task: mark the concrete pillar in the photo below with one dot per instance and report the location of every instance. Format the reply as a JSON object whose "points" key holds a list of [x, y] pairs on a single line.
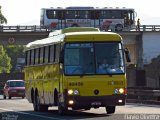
{"points": [[139, 49]]}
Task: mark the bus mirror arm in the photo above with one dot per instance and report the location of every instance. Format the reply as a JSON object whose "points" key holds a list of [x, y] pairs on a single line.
{"points": [[127, 54], [61, 58]]}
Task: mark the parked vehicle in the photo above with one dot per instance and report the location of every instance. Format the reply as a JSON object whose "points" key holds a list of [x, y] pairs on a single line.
{"points": [[14, 88]]}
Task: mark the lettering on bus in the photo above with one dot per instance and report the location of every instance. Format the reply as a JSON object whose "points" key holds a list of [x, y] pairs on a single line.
{"points": [[76, 84]]}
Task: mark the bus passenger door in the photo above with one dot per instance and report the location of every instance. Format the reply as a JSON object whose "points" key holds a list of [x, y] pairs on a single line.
{"points": [[61, 24]]}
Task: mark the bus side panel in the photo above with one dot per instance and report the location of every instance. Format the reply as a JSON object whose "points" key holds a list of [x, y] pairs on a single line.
{"points": [[50, 84], [44, 79]]}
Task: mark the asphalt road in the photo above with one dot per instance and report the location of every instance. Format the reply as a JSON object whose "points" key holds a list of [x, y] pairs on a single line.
{"points": [[21, 109]]}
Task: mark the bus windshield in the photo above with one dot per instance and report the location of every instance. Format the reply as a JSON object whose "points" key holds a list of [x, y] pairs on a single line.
{"points": [[93, 58]]}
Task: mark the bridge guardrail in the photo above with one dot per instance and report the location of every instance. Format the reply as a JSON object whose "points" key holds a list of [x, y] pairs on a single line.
{"points": [[146, 28], [143, 95], [37, 28], [34, 28]]}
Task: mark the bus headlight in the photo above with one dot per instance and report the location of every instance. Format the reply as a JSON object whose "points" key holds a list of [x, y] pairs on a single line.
{"points": [[70, 92], [73, 92], [121, 90]]}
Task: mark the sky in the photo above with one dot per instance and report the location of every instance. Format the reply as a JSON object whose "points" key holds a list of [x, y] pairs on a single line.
{"points": [[27, 12]]}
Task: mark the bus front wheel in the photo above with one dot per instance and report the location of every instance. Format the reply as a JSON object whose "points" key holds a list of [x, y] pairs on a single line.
{"points": [[62, 109], [119, 27], [110, 109]]}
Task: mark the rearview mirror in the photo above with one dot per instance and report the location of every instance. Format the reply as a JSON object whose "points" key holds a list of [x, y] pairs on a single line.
{"points": [[127, 54]]}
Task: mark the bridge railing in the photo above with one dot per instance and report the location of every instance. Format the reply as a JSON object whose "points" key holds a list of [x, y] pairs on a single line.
{"points": [[146, 28], [143, 95], [37, 28], [34, 28]]}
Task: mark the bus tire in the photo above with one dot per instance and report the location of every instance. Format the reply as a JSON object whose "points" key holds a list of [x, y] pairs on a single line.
{"points": [[35, 102], [10, 97], [87, 108], [74, 25], [55, 98], [110, 109], [62, 108], [118, 27], [4, 97], [32, 95], [40, 107]]}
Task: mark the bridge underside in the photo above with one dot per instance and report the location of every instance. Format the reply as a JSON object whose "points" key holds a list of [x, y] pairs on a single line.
{"points": [[20, 38]]}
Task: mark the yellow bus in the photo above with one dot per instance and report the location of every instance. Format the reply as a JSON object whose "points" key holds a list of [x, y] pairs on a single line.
{"points": [[66, 70]]}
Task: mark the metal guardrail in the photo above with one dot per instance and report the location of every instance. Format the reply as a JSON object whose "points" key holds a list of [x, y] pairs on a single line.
{"points": [[144, 94], [36, 28], [146, 28]]}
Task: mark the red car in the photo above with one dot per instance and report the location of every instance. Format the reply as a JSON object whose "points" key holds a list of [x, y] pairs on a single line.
{"points": [[14, 88]]}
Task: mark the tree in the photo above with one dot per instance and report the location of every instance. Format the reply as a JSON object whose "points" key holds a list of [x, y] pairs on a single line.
{"points": [[14, 52], [2, 18], [5, 61]]}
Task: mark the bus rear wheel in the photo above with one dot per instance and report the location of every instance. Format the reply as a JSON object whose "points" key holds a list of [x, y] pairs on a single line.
{"points": [[37, 106], [110, 109], [119, 27]]}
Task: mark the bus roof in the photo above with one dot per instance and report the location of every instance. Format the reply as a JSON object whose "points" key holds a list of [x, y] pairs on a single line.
{"points": [[73, 29], [89, 8], [78, 36]]}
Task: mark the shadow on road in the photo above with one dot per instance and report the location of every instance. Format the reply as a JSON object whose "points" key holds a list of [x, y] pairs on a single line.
{"points": [[13, 98], [50, 115]]}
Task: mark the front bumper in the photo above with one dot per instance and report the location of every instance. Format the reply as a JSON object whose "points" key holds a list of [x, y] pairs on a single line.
{"points": [[95, 101], [17, 94]]}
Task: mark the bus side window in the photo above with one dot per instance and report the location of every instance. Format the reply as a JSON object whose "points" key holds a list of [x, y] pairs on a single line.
{"points": [[57, 52], [51, 55], [41, 55], [46, 54], [96, 14], [44, 49], [28, 57], [36, 56], [32, 57], [92, 14], [60, 15], [49, 48]]}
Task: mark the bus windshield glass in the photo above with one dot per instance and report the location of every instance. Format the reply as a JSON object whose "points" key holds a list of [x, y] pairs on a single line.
{"points": [[93, 58]]}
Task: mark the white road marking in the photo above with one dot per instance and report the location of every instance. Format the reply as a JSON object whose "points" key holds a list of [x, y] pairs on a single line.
{"points": [[31, 114]]}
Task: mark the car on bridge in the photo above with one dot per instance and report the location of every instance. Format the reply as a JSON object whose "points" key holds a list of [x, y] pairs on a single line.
{"points": [[14, 88]]}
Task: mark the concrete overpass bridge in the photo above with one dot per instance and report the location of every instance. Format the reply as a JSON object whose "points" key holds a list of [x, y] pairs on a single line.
{"points": [[21, 35], [134, 40]]}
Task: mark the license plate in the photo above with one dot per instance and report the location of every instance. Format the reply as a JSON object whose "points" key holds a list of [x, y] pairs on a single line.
{"points": [[96, 103]]}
